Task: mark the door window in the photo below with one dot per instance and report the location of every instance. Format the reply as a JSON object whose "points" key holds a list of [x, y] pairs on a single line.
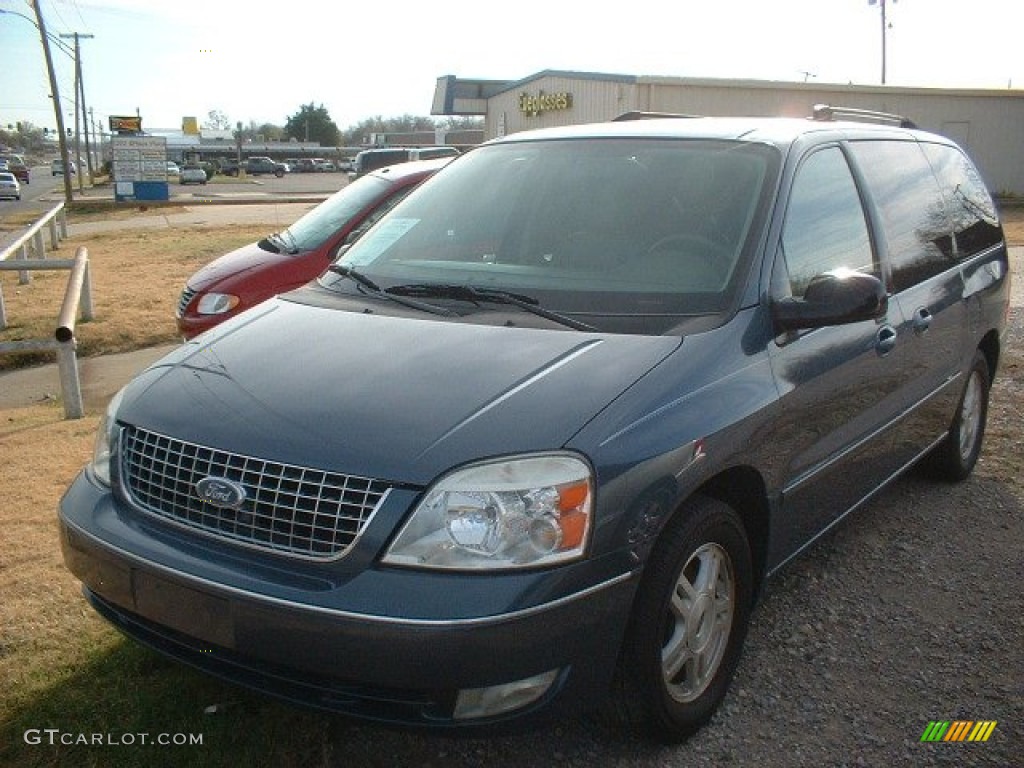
{"points": [[825, 228]]}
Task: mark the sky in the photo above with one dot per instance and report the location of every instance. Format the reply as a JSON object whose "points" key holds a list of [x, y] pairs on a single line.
{"points": [[261, 62]]}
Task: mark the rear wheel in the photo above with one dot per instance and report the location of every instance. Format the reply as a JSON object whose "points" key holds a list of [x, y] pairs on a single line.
{"points": [[954, 458], [688, 624]]}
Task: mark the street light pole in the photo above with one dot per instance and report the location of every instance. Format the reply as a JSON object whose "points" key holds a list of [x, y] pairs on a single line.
{"points": [[61, 138], [80, 105], [885, 27]]}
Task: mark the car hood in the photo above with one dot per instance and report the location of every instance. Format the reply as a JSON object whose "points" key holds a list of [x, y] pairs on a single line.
{"points": [[237, 263], [394, 398]]}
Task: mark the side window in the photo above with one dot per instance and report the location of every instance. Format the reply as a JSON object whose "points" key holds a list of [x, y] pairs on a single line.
{"points": [[975, 221], [825, 228], [913, 212]]}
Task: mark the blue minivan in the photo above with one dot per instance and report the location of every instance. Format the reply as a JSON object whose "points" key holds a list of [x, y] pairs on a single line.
{"points": [[536, 440]]}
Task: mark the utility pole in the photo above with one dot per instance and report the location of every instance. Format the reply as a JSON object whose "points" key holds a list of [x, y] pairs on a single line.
{"points": [[80, 104], [885, 27], [61, 137], [96, 148]]}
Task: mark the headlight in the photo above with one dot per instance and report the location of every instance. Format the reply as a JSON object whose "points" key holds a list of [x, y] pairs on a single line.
{"points": [[519, 512], [216, 303], [104, 440]]}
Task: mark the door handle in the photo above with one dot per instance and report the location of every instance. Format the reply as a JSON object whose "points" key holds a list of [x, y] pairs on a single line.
{"points": [[922, 321], [885, 340]]}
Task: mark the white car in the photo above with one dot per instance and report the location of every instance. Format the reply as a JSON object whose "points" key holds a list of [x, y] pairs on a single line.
{"points": [[9, 186], [172, 169], [192, 174], [57, 168]]}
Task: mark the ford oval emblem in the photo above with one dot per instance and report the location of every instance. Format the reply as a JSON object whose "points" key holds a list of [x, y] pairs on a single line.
{"points": [[220, 492]]}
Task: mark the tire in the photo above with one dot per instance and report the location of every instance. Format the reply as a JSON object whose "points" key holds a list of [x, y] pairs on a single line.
{"points": [[688, 623], [954, 458]]}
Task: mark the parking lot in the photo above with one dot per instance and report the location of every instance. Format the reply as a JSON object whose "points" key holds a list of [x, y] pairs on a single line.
{"points": [[264, 185]]}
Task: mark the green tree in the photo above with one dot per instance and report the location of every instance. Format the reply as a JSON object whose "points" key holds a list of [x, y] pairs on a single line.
{"points": [[270, 132], [312, 123]]}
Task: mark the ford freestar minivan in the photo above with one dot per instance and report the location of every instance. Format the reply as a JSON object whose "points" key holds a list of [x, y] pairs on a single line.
{"points": [[537, 439]]}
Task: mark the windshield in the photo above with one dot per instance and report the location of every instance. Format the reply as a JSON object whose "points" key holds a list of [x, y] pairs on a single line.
{"points": [[312, 230], [600, 230]]}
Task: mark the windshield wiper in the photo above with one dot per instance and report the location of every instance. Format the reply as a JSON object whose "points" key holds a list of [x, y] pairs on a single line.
{"points": [[287, 233], [376, 290], [278, 243], [492, 295]]}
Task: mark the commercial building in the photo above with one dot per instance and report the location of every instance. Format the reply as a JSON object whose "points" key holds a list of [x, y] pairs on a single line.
{"points": [[988, 123]]}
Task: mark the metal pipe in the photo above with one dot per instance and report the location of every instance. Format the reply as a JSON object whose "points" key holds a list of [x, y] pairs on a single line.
{"points": [[69, 308]]}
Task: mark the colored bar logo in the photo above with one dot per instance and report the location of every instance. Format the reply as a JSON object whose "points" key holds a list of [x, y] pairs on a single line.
{"points": [[959, 730]]}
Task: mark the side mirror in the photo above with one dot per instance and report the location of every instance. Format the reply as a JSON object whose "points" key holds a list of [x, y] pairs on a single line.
{"points": [[832, 298]]}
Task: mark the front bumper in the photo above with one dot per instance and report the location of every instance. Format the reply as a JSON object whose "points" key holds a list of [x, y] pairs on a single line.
{"points": [[310, 649]]}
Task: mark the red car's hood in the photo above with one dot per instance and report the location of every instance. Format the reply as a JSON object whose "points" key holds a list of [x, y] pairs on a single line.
{"points": [[237, 264]]}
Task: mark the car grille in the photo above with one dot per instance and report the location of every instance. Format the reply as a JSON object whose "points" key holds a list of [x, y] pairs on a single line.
{"points": [[186, 297], [287, 509]]}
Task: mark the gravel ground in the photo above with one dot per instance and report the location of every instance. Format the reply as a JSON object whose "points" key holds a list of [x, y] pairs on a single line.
{"points": [[910, 611]]}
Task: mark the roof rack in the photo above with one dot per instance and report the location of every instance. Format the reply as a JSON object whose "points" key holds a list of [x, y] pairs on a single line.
{"points": [[640, 115], [827, 112]]}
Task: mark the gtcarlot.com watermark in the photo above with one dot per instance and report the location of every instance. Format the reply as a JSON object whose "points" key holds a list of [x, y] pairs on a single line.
{"points": [[56, 737]]}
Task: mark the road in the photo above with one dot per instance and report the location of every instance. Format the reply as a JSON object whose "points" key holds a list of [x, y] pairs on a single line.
{"points": [[45, 189]]}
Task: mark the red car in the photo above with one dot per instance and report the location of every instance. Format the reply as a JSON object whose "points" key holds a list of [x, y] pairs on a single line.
{"points": [[291, 258]]}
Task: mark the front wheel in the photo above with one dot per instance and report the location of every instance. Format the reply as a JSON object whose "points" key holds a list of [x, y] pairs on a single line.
{"points": [[688, 624]]}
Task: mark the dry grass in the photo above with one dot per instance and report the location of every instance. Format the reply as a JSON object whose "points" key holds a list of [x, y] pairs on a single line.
{"points": [[137, 276]]}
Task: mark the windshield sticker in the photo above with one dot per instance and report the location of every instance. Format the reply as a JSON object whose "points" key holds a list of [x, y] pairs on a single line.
{"points": [[378, 240]]}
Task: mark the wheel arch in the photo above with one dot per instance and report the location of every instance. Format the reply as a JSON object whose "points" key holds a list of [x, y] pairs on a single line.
{"points": [[990, 348], [744, 490]]}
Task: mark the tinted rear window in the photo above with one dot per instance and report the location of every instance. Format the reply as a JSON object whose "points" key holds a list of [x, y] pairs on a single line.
{"points": [[973, 214], [915, 223]]}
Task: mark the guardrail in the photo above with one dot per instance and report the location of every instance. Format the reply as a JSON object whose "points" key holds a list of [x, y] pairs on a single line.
{"points": [[56, 221], [77, 295]]}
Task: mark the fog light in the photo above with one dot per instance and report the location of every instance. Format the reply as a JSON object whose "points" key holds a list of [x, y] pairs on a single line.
{"points": [[497, 699]]}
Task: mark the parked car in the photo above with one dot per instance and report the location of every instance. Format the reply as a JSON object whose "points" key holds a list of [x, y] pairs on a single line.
{"points": [[277, 263], [229, 167], [57, 167], [172, 169], [16, 165], [10, 189], [260, 165], [539, 437], [369, 159], [192, 174]]}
